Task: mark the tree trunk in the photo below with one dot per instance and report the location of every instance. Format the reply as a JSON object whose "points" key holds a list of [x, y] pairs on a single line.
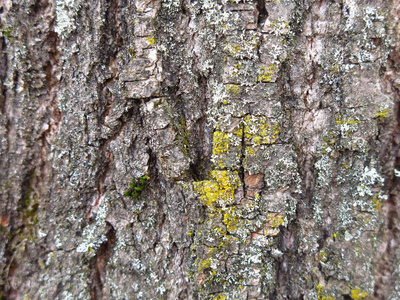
{"points": [[199, 149]]}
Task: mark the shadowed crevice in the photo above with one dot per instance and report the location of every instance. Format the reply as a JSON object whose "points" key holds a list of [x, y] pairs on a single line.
{"points": [[262, 12], [99, 263]]}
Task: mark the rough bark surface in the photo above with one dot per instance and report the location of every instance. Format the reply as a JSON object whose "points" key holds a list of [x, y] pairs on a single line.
{"points": [[199, 149]]}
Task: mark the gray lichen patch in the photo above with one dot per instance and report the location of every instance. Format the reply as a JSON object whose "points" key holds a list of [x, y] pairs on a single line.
{"points": [[66, 13], [266, 131]]}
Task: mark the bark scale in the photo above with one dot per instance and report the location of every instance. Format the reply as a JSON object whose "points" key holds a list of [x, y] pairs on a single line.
{"points": [[178, 149]]}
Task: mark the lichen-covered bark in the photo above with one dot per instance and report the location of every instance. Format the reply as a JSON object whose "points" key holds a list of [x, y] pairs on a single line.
{"points": [[199, 149]]}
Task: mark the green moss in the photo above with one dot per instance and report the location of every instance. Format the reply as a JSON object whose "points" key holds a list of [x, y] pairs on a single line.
{"points": [[5, 232], [26, 201], [137, 186], [29, 206], [5, 31], [183, 137], [330, 138], [31, 215], [178, 121]]}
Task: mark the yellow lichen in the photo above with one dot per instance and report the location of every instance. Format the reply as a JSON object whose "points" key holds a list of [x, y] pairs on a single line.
{"points": [[376, 202], [275, 220], [231, 220], [204, 264], [323, 257], [335, 68], [132, 51], [233, 49], [220, 297], [347, 125], [221, 143], [279, 24], [340, 121], [320, 292], [258, 131], [220, 188], [357, 294], [227, 147], [382, 113], [265, 73], [320, 289], [250, 151], [150, 40], [233, 88]]}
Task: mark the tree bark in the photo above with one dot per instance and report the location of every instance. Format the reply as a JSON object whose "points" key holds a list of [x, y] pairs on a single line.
{"points": [[199, 149]]}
